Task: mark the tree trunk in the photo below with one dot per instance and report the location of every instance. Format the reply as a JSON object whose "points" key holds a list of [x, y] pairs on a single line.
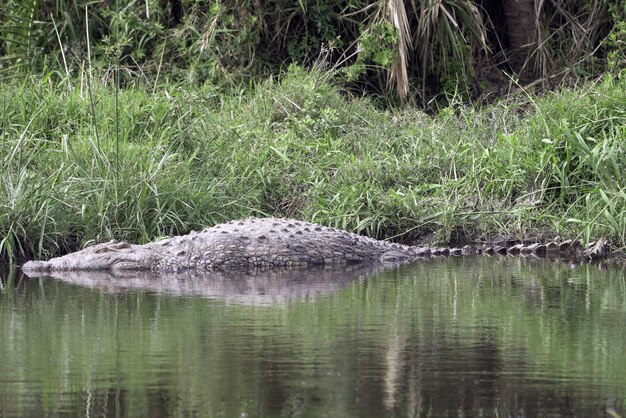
{"points": [[521, 25]]}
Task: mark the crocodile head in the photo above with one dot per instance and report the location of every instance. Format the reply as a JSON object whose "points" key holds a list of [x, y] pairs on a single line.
{"points": [[114, 256]]}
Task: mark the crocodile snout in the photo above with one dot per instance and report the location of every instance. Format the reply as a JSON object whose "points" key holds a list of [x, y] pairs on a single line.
{"points": [[36, 266]]}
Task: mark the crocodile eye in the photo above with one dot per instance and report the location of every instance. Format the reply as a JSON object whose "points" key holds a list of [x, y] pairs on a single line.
{"points": [[113, 247]]}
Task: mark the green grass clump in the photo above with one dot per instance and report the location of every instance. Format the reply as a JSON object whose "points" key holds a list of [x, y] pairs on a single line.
{"points": [[185, 158], [581, 152]]}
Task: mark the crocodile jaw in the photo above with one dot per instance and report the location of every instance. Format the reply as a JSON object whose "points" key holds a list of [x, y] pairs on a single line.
{"points": [[115, 257]]}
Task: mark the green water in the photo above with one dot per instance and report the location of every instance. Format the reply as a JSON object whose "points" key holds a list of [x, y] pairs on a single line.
{"points": [[449, 337]]}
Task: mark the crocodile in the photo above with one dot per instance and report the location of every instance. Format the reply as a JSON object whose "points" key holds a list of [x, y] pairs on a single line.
{"points": [[268, 243]]}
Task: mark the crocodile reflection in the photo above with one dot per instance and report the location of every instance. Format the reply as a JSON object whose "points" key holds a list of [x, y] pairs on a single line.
{"points": [[269, 287]]}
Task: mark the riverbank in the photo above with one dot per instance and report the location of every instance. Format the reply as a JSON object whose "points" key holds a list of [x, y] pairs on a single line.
{"points": [[75, 167]]}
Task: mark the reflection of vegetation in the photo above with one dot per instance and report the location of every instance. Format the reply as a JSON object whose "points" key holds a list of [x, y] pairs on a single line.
{"points": [[7, 273], [468, 334]]}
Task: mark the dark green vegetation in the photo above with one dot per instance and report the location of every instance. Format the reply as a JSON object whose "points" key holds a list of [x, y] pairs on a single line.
{"points": [[183, 158], [413, 50], [469, 337]]}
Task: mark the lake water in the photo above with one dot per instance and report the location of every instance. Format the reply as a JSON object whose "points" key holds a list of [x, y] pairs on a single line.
{"points": [[448, 337]]}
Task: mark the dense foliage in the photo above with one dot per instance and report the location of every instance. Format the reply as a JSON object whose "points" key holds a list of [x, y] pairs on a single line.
{"points": [[417, 50]]}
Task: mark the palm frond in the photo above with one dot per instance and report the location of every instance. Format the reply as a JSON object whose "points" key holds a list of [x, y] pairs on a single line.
{"points": [[449, 30], [399, 70], [16, 33]]}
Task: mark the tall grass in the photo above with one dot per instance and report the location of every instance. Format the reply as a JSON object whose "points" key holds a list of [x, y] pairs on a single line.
{"points": [[190, 157], [583, 151]]}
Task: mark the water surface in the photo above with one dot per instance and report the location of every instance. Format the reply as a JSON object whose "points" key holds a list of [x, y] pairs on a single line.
{"points": [[446, 337]]}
